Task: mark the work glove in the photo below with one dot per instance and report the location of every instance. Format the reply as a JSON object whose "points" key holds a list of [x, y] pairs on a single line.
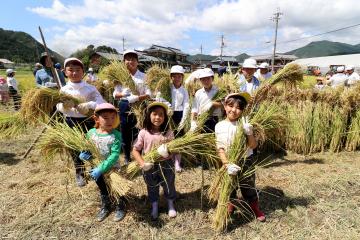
{"points": [[68, 104], [50, 85], [147, 166], [207, 106], [126, 92], [82, 108], [163, 151], [248, 128], [85, 155], [193, 126], [232, 169], [95, 173]]}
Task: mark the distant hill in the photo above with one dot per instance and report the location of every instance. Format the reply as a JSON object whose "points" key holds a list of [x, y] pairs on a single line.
{"points": [[242, 57], [21, 47], [325, 48]]}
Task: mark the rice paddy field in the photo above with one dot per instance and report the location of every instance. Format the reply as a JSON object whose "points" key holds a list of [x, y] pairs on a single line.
{"points": [[312, 196]]}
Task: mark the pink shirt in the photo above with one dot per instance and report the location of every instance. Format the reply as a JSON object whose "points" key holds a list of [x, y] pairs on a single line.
{"points": [[147, 140]]}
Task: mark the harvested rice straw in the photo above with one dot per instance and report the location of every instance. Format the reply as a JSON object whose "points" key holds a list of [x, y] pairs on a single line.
{"points": [[158, 79], [62, 140], [138, 109], [268, 120], [353, 135], [191, 146], [338, 129], [12, 125], [321, 127]]}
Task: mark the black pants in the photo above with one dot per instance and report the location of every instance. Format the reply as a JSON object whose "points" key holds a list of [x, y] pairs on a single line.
{"points": [[16, 97], [209, 125], [85, 124], [176, 117], [129, 131], [247, 184], [104, 192]]}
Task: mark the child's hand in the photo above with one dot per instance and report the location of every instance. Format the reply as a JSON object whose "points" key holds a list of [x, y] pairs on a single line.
{"points": [[248, 128], [163, 151], [95, 173], [82, 108], [68, 104], [232, 169], [147, 166], [193, 126]]}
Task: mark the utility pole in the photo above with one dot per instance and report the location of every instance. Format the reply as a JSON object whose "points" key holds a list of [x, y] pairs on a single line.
{"points": [[276, 18], [222, 47], [123, 41], [200, 54]]}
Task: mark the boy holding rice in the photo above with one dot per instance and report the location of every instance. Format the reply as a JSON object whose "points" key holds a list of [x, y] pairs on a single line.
{"points": [[247, 81], [127, 97], [76, 115], [225, 132]]}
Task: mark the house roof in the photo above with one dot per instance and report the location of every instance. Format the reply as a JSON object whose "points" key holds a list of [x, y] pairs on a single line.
{"points": [[6, 61], [155, 48], [225, 59], [111, 56], [277, 56]]}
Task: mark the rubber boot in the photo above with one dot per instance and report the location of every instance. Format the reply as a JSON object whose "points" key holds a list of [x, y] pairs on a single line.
{"points": [[79, 177], [105, 208], [154, 211], [119, 211], [260, 216], [172, 211]]}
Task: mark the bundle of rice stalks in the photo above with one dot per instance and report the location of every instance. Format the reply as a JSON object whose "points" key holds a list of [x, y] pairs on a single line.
{"points": [[228, 82], [117, 73], [159, 81], [63, 140], [12, 125], [321, 127], [353, 134], [268, 121], [339, 122], [138, 109], [191, 146], [192, 87]]}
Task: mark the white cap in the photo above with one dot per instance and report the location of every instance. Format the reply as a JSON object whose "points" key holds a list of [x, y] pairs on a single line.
{"points": [[264, 65], [130, 51], [177, 69], [72, 59], [8, 71], [249, 63], [350, 67], [206, 72], [91, 70], [340, 69]]}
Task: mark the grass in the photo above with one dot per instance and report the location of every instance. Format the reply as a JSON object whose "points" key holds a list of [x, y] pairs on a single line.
{"points": [[25, 78]]}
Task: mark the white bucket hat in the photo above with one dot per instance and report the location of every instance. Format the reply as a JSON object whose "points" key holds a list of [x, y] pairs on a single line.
{"points": [[249, 63], [177, 69], [264, 65], [206, 72], [130, 51], [350, 67], [9, 71], [340, 69]]}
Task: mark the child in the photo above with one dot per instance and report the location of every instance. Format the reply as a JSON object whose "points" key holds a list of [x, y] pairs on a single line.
{"points": [[4, 91], [13, 88], [108, 141], [179, 103], [203, 101], [156, 132], [77, 115], [247, 81], [126, 97], [225, 132]]}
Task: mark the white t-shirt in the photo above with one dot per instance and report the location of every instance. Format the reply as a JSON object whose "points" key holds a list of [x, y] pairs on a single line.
{"points": [[225, 132], [139, 79], [353, 78], [179, 98], [338, 80], [261, 77], [11, 82], [202, 99]]}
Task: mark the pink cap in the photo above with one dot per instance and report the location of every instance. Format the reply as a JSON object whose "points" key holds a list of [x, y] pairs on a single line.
{"points": [[105, 106]]}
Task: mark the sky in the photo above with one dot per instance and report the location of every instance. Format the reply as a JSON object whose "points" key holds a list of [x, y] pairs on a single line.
{"points": [[246, 25]]}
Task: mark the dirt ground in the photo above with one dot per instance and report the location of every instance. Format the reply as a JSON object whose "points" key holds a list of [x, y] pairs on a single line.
{"points": [[315, 197]]}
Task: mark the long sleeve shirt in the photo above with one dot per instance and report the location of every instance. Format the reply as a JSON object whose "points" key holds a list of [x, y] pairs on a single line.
{"points": [[11, 82], [44, 78], [338, 80], [202, 99], [85, 92], [139, 79], [248, 87], [353, 78]]}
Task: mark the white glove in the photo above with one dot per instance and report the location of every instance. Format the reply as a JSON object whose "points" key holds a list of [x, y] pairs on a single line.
{"points": [[193, 126], [126, 92], [158, 97], [50, 84], [232, 169], [207, 106], [68, 104], [248, 128], [147, 166], [163, 151], [82, 108]]}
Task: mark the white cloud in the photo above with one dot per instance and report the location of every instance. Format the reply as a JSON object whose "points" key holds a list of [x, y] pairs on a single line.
{"points": [[245, 23]]}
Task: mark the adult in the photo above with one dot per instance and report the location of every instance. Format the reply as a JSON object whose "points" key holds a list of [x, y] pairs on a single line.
{"points": [[247, 81], [263, 73], [353, 77], [221, 69], [37, 67], [339, 79], [91, 76], [128, 120], [44, 77]]}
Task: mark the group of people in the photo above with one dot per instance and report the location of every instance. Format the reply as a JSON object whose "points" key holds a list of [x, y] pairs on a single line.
{"points": [[344, 77], [102, 129]]}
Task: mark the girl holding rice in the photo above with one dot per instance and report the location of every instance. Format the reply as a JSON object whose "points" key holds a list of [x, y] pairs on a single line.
{"points": [[76, 115], [225, 132], [156, 133], [108, 141], [180, 105]]}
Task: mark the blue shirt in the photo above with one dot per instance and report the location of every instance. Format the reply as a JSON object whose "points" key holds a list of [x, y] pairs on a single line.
{"points": [[245, 86], [44, 76]]}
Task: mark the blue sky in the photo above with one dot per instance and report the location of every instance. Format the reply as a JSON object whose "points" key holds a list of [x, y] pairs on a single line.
{"points": [[187, 24]]}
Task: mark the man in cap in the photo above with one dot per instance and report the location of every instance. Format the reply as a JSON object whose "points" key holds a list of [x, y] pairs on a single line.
{"points": [[222, 69], [44, 77], [91, 76], [247, 81], [353, 77], [127, 97], [339, 79], [37, 67], [263, 72]]}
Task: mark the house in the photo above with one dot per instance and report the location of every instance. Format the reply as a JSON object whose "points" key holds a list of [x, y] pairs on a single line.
{"points": [[172, 56], [280, 59], [5, 63], [227, 60]]}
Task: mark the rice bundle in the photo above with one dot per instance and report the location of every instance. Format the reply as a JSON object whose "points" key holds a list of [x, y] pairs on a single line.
{"points": [[268, 121], [191, 146], [158, 80], [62, 140], [321, 127], [227, 82], [12, 125], [353, 135], [338, 128]]}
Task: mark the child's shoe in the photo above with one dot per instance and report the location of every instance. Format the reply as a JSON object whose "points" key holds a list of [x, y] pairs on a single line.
{"points": [[172, 211], [155, 211], [105, 208], [119, 214], [260, 216], [80, 180], [177, 163]]}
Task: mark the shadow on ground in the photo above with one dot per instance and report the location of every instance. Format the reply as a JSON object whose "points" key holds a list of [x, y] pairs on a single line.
{"points": [[9, 159]]}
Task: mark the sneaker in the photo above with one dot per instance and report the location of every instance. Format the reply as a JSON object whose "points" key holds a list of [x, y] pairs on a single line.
{"points": [[119, 215], [260, 216], [172, 211], [80, 180]]}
